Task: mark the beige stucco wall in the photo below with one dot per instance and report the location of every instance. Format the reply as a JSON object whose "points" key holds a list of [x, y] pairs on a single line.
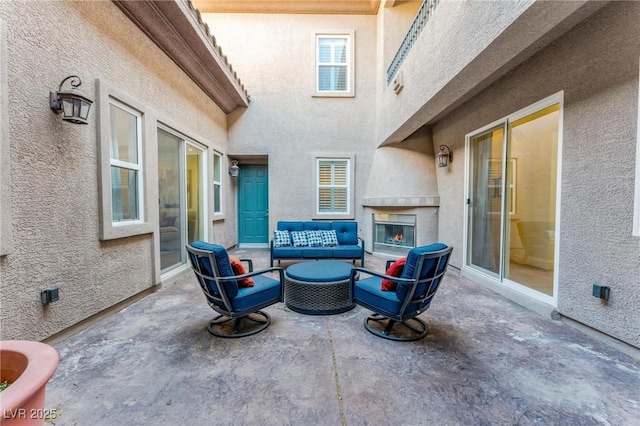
{"points": [[54, 188], [464, 47], [395, 22], [275, 55], [600, 84]]}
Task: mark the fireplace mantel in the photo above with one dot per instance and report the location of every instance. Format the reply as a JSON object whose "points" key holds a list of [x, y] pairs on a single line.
{"points": [[432, 201]]}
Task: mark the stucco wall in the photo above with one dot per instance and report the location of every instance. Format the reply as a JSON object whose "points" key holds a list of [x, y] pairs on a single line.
{"points": [[466, 46], [396, 22], [275, 55], [596, 65], [54, 189]]}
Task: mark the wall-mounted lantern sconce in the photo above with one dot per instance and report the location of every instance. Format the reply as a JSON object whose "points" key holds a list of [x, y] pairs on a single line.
{"points": [[234, 170], [444, 158], [73, 104]]}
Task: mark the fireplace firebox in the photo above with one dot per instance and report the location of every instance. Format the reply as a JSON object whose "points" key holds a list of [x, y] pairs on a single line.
{"points": [[394, 234]]}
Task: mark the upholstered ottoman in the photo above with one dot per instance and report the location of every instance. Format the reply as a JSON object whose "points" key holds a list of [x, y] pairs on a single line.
{"points": [[318, 288]]}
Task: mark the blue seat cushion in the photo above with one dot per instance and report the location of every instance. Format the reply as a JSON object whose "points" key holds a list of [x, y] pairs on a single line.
{"points": [[347, 251], [317, 252], [223, 264], [409, 270], [347, 232], [368, 292], [287, 252], [264, 292]]}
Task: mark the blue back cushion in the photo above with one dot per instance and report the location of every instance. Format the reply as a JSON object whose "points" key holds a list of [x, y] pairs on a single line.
{"points": [[411, 264], [347, 232], [317, 226], [221, 258], [290, 226]]}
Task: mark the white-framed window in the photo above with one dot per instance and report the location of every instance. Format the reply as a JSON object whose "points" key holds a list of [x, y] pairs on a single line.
{"points": [[126, 163], [334, 187], [217, 183], [6, 238], [122, 174], [636, 206], [335, 64]]}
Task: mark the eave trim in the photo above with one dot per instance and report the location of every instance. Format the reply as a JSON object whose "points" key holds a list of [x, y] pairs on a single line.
{"points": [[177, 28]]}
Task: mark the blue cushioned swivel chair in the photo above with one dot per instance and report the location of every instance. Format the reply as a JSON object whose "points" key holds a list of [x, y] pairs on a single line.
{"points": [[212, 267], [396, 312]]}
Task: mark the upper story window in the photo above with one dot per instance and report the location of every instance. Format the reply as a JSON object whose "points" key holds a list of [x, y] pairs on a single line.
{"points": [[334, 64], [126, 162], [217, 183], [333, 186]]}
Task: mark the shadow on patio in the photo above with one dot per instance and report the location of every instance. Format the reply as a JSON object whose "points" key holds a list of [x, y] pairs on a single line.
{"points": [[486, 360]]}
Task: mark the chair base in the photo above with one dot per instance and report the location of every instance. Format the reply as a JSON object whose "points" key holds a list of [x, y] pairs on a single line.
{"points": [[223, 326], [413, 328]]}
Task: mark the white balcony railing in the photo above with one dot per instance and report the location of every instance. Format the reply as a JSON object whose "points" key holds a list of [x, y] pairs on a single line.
{"points": [[420, 21]]}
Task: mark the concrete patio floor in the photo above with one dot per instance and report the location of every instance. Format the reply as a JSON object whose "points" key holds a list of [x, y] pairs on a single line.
{"points": [[486, 361]]}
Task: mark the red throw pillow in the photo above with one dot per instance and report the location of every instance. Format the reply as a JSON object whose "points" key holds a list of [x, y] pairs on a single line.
{"points": [[238, 269], [395, 270]]}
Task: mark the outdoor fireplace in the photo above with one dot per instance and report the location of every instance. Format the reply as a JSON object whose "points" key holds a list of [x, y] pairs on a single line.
{"points": [[394, 234]]}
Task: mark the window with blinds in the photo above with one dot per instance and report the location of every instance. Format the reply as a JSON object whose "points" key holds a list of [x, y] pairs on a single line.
{"points": [[334, 64], [333, 186]]}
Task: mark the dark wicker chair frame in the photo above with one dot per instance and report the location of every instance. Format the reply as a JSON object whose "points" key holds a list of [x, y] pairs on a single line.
{"points": [[414, 327], [247, 321]]}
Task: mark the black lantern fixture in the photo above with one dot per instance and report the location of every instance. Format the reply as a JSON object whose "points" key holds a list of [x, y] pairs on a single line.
{"points": [[234, 170], [444, 158], [73, 104]]}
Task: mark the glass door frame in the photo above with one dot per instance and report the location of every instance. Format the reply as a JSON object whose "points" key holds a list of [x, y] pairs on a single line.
{"points": [[184, 143], [481, 275], [469, 170]]}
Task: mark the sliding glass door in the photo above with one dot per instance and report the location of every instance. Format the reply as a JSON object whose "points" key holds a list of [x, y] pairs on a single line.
{"points": [[181, 197], [511, 216], [485, 203]]}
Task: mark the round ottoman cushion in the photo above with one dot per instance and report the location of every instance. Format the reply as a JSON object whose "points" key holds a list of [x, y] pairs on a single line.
{"points": [[320, 271]]}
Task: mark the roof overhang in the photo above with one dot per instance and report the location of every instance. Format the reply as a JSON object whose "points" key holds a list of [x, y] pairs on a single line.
{"points": [[177, 28], [342, 7]]}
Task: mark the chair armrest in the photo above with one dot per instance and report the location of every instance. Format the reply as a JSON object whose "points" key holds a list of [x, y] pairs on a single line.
{"points": [[249, 263], [389, 262], [254, 273], [356, 269], [361, 242]]}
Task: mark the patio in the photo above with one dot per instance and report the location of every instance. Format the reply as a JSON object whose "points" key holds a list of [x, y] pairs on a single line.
{"points": [[486, 360]]}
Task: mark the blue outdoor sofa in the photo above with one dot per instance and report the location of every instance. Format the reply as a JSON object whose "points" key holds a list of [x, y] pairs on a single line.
{"points": [[317, 240]]}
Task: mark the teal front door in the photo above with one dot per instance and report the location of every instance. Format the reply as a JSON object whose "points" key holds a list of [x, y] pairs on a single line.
{"points": [[253, 204]]}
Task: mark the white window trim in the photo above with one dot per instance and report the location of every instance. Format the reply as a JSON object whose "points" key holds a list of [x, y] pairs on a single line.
{"points": [[137, 167], [350, 186], [217, 214], [110, 229], [636, 203], [6, 237], [351, 67]]}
